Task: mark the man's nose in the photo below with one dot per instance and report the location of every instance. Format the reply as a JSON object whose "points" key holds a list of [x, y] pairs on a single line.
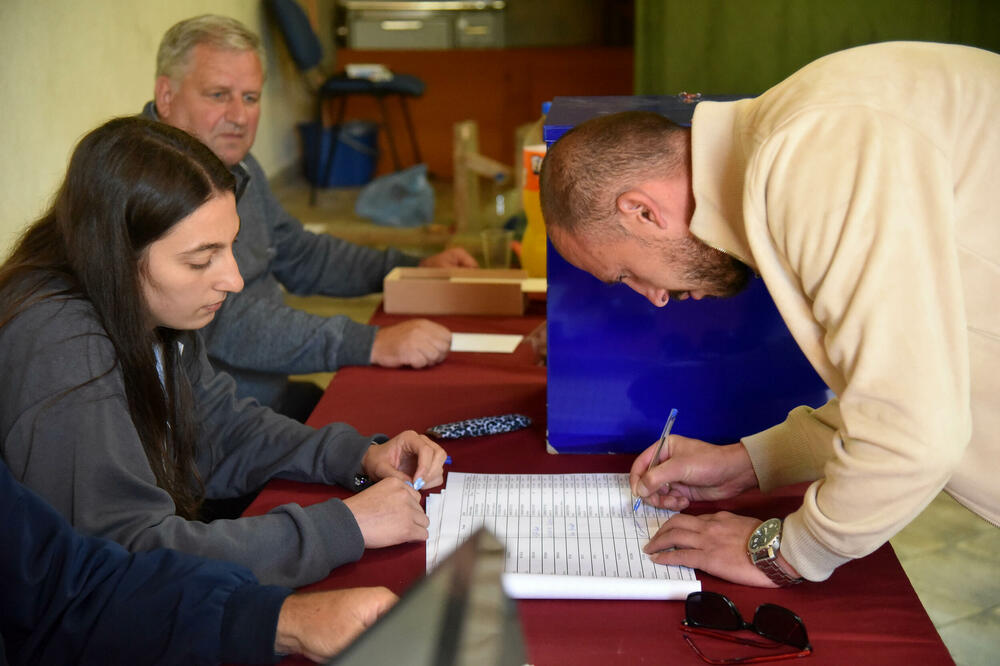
{"points": [[658, 297], [236, 111]]}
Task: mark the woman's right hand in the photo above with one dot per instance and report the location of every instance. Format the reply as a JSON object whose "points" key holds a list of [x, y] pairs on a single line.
{"points": [[388, 513], [691, 470]]}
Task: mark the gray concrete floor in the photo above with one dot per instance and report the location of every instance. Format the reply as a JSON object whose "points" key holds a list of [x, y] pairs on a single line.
{"points": [[951, 556]]}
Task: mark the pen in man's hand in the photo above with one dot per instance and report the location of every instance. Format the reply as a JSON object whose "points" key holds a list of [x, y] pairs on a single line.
{"points": [[659, 447]]}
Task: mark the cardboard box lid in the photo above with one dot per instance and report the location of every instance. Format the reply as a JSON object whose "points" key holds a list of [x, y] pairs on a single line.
{"points": [[454, 291]]}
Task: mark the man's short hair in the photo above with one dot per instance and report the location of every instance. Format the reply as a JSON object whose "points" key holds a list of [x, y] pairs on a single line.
{"points": [[593, 164], [220, 32]]}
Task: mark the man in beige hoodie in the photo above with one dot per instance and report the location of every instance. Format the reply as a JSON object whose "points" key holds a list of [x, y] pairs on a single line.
{"points": [[865, 191]]}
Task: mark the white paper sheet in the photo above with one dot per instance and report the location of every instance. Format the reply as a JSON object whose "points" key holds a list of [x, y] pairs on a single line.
{"points": [[485, 342], [568, 536], [534, 286], [554, 586]]}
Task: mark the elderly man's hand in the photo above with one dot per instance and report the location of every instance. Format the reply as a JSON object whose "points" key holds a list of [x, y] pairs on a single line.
{"points": [[418, 343], [538, 339], [321, 624], [457, 257]]}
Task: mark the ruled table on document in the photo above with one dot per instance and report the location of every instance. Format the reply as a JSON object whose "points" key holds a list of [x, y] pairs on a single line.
{"points": [[555, 525]]}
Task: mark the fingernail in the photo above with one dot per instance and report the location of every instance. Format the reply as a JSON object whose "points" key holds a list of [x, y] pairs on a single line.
{"points": [[447, 460], [418, 484], [409, 484]]}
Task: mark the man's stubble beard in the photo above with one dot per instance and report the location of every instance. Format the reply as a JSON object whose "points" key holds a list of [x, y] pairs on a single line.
{"points": [[714, 272]]}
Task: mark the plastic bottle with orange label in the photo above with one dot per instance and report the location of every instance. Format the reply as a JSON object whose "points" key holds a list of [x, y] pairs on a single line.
{"points": [[533, 245]]}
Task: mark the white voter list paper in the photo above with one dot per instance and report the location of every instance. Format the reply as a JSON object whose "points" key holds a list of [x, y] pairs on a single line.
{"points": [[485, 342], [567, 536]]}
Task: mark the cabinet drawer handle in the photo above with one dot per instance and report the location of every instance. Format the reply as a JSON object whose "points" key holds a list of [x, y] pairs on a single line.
{"points": [[402, 25]]}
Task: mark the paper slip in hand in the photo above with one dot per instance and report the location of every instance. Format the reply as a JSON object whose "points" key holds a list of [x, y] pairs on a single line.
{"points": [[485, 342]]}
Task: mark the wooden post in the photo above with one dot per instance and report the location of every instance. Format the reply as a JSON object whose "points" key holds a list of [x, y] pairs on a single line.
{"points": [[466, 181]]}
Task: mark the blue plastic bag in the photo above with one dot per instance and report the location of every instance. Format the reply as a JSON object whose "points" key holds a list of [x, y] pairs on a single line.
{"points": [[400, 199]]}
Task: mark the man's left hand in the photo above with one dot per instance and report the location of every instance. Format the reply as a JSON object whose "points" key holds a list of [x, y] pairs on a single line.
{"points": [[715, 543], [453, 257]]}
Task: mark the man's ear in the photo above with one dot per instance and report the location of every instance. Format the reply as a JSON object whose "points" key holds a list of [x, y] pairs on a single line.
{"points": [[163, 96], [639, 210]]}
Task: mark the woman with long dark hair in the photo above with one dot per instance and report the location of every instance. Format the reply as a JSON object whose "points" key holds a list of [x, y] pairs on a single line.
{"points": [[109, 408]]}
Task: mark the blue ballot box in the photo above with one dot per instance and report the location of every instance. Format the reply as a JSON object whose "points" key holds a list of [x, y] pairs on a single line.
{"points": [[617, 364]]}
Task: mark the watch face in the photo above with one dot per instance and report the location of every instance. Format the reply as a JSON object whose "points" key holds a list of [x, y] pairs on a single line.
{"points": [[764, 534]]}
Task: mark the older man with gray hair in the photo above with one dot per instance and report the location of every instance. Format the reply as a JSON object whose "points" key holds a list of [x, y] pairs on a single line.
{"points": [[209, 78]]}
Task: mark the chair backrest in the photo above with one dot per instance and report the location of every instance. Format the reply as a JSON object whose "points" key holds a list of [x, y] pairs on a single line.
{"points": [[302, 42]]}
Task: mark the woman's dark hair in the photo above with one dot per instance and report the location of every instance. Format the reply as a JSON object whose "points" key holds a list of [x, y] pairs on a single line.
{"points": [[128, 183]]}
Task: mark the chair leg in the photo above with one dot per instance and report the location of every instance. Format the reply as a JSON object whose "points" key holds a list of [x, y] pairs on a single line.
{"points": [[331, 154], [388, 132], [409, 128]]}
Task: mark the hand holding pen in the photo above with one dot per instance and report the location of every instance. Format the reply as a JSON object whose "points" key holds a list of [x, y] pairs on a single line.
{"points": [[664, 436], [691, 471]]}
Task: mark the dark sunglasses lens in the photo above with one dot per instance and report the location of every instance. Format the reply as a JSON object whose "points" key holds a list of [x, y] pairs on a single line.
{"points": [[708, 609], [780, 625]]}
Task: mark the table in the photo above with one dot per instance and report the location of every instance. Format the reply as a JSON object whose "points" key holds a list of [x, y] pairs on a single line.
{"points": [[866, 613]]}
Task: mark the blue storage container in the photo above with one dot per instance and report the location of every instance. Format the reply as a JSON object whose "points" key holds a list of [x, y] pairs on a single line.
{"points": [[617, 364], [356, 158]]}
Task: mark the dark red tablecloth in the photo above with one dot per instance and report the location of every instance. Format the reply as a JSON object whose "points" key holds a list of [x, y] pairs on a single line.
{"points": [[866, 613]]}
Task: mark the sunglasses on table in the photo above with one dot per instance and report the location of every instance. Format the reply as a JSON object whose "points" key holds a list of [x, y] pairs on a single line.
{"points": [[712, 614]]}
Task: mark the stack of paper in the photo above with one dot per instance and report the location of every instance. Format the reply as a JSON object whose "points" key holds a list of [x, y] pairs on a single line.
{"points": [[568, 536], [500, 343]]}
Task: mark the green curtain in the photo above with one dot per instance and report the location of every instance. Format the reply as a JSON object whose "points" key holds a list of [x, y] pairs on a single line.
{"points": [[746, 46]]}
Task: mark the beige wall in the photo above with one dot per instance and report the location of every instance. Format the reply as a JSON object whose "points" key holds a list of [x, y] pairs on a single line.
{"points": [[67, 66]]}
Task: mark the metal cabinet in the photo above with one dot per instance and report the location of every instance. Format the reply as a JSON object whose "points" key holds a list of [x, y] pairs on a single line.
{"points": [[413, 24]]}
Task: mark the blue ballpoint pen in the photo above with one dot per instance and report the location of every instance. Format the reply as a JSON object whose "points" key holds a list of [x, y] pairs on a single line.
{"points": [[659, 447]]}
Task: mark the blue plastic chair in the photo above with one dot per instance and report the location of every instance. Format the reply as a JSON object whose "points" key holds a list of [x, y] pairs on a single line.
{"points": [[307, 53]]}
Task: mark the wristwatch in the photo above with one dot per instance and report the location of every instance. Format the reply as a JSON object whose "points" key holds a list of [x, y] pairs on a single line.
{"points": [[362, 480], [763, 550]]}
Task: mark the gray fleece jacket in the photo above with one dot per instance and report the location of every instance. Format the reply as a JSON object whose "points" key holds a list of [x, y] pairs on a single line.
{"points": [[65, 432]]}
